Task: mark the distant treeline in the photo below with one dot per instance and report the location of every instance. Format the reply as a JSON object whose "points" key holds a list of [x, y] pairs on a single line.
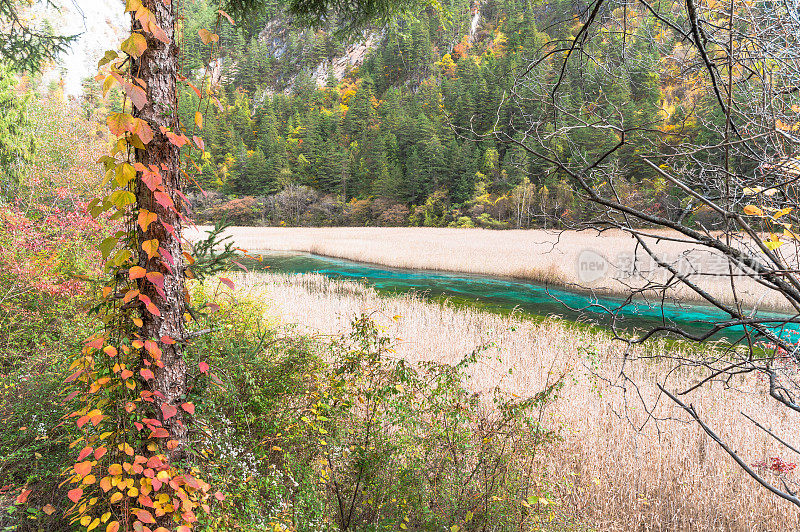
{"points": [[408, 137]]}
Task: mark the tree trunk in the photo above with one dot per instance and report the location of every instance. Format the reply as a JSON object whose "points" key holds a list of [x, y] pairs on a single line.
{"points": [[158, 68]]}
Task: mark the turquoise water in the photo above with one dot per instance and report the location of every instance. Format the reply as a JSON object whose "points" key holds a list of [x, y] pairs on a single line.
{"points": [[501, 294]]}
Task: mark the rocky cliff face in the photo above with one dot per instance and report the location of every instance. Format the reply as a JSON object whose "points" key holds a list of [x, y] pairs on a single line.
{"points": [[277, 34]]}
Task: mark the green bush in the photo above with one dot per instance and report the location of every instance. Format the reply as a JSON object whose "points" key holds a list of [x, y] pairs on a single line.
{"points": [[338, 435]]}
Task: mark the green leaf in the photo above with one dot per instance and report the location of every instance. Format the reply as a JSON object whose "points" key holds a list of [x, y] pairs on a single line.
{"points": [[121, 198], [109, 56], [107, 245]]}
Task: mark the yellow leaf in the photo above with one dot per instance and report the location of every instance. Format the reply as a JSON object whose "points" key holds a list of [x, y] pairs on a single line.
{"points": [[771, 244], [198, 119], [752, 210], [135, 45], [116, 498], [207, 37], [150, 247]]}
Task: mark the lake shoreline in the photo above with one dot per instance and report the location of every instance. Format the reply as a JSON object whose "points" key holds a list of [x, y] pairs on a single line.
{"points": [[544, 257]]}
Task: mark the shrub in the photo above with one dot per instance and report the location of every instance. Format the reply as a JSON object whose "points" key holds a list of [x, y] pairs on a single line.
{"points": [[313, 435]]}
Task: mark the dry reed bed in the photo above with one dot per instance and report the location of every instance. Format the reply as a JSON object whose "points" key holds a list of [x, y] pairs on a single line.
{"points": [[539, 255], [673, 478]]}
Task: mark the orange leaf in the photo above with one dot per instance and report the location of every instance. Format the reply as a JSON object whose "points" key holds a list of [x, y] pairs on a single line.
{"points": [[227, 16], [100, 452], [137, 272], [150, 247], [146, 374], [83, 468], [75, 495], [119, 123], [146, 218], [23, 497], [135, 45], [207, 37], [189, 407], [144, 516], [167, 340], [113, 526], [195, 89], [49, 509]]}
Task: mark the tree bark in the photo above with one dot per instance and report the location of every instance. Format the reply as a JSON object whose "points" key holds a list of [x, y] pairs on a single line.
{"points": [[158, 68]]}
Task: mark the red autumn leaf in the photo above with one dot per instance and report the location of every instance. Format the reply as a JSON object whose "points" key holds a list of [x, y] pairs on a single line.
{"points": [[134, 92], [199, 142], [178, 140], [168, 411], [144, 132], [219, 496], [227, 16], [23, 497], [189, 407], [86, 451], [96, 343], [152, 179], [74, 376], [100, 452], [164, 200], [167, 340], [144, 516], [75, 495], [204, 367], [227, 282], [144, 500], [159, 432], [146, 374]]}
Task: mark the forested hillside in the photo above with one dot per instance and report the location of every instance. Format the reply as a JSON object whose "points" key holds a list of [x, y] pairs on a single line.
{"points": [[397, 128]]}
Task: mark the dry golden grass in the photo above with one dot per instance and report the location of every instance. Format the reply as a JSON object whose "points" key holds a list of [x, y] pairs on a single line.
{"points": [[668, 476], [542, 256]]}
